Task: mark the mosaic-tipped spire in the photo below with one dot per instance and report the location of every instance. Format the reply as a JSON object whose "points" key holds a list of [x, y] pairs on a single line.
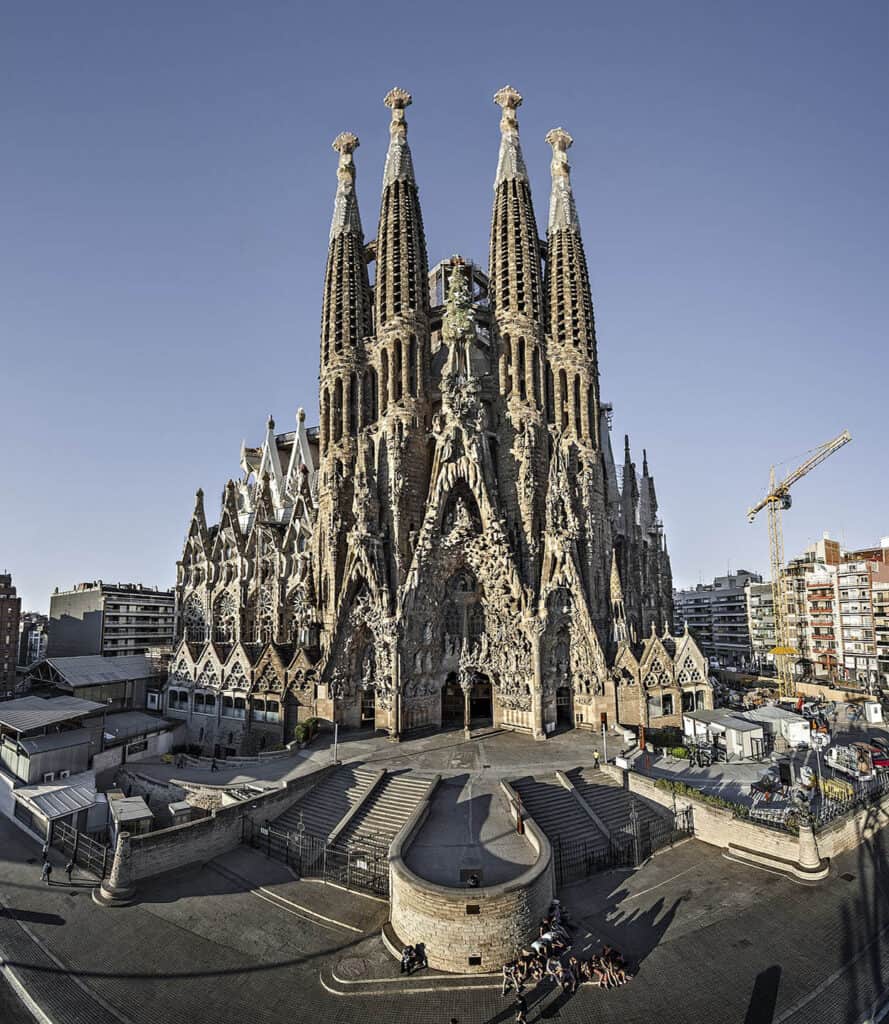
{"points": [[402, 280], [399, 164], [515, 278], [345, 204], [511, 163], [345, 319], [562, 211]]}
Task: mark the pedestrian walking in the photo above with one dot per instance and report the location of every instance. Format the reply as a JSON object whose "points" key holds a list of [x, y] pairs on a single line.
{"points": [[214, 767], [45, 851], [69, 870], [595, 758], [521, 1007], [46, 873]]}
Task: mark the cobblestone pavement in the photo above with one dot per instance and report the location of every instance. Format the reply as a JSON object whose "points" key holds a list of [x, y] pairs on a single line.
{"points": [[242, 941]]}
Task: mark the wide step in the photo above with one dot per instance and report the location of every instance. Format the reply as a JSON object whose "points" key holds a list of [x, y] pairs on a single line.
{"points": [[322, 808], [610, 801], [557, 812], [384, 814]]}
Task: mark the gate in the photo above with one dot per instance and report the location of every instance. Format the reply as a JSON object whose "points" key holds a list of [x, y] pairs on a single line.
{"points": [[363, 864], [81, 848], [576, 859]]}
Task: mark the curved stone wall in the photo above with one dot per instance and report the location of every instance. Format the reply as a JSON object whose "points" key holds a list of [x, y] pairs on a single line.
{"points": [[468, 930]]}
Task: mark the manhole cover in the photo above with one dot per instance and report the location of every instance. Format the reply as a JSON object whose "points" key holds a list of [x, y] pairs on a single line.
{"points": [[352, 967], [847, 877]]}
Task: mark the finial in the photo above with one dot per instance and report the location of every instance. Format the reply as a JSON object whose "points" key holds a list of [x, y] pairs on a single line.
{"points": [[509, 100], [644, 462], [271, 423], [559, 139], [345, 144], [399, 165], [301, 415], [397, 99], [199, 496], [627, 447]]}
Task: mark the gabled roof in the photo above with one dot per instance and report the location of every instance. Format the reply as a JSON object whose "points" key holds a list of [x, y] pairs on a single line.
{"points": [[93, 669], [57, 801]]}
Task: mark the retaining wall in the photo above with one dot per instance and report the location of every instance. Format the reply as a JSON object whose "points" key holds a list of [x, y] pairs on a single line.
{"points": [[202, 840], [468, 930]]}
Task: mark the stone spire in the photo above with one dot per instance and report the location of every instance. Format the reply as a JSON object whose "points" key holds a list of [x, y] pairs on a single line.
{"points": [[618, 614], [514, 255], [569, 306], [402, 282], [346, 312]]}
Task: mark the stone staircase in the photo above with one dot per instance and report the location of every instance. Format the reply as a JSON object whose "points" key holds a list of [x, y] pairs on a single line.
{"points": [[384, 813], [557, 811], [610, 801], [323, 807]]}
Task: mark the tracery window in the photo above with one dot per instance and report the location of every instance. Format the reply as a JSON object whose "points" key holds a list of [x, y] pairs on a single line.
{"points": [[194, 620], [225, 618]]}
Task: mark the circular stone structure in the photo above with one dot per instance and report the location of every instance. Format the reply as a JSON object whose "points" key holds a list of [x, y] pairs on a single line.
{"points": [[466, 929]]}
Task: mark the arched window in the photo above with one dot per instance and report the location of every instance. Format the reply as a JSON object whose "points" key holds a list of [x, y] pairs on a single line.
{"points": [[523, 385], [325, 418], [507, 364], [384, 381], [535, 375], [353, 404], [397, 390], [412, 366], [550, 396], [366, 398], [563, 399], [578, 430], [338, 409], [591, 413]]}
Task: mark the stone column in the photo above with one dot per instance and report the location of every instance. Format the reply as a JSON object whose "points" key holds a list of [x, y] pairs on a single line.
{"points": [[467, 715], [118, 890], [537, 631], [811, 865]]}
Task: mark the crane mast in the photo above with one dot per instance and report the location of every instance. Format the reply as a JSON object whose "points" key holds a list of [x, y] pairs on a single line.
{"points": [[776, 501]]}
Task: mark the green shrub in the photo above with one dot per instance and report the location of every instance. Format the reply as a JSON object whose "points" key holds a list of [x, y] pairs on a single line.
{"points": [[301, 733], [678, 752], [683, 789]]}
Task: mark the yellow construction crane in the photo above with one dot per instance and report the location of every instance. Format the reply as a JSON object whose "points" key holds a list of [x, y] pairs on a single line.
{"points": [[776, 501]]}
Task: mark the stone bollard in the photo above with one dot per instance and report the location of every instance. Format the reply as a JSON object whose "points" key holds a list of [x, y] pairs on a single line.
{"points": [[117, 890], [810, 864]]}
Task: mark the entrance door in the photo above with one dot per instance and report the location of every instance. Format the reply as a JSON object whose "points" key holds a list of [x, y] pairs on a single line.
{"points": [[563, 706], [451, 702], [368, 707], [480, 704]]}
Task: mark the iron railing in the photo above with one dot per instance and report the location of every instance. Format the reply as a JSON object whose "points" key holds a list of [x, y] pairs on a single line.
{"points": [[84, 850], [363, 863]]}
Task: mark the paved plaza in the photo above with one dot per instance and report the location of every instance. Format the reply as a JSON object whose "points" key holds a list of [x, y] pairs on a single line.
{"points": [[241, 939]]}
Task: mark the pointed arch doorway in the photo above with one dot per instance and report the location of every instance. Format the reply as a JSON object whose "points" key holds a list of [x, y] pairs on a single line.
{"points": [[481, 701]]}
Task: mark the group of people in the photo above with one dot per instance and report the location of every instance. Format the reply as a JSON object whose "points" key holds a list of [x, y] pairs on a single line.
{"points": [[548, 957], [413, 957]]}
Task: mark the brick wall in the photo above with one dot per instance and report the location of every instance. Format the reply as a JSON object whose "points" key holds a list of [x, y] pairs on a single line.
{"points": [[202, 840], [499, 921]]}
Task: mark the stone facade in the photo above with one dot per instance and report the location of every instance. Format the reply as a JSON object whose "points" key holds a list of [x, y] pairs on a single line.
{"points": [[454, 541]]}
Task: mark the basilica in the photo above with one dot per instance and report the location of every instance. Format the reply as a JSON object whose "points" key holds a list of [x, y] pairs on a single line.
{"points": [[454, 543]]}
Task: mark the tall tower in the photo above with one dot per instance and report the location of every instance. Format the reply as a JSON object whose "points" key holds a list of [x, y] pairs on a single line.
{"points": [[516, 291], [401, 350], [572, 381], [345, 324]]}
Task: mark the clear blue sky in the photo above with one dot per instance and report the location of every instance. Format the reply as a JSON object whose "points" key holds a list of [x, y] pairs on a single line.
{"points": [[167, 188]]}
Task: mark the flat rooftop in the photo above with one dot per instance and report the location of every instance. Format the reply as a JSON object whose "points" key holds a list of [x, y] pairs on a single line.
{"points": [[469, 829], [26, 713], [94, 669]]}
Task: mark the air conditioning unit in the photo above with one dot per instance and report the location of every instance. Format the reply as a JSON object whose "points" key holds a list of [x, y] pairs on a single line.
{"points": [[49, 777], [64, 774]]}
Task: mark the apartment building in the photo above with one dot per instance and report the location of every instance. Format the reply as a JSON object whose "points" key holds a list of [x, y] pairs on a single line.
{"points": [[717, 617], [10, 609], [111, 619]]}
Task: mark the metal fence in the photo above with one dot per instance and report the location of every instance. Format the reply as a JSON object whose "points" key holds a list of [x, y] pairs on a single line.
{"points": [[81, 848], [362, 864], [576, 859]]}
